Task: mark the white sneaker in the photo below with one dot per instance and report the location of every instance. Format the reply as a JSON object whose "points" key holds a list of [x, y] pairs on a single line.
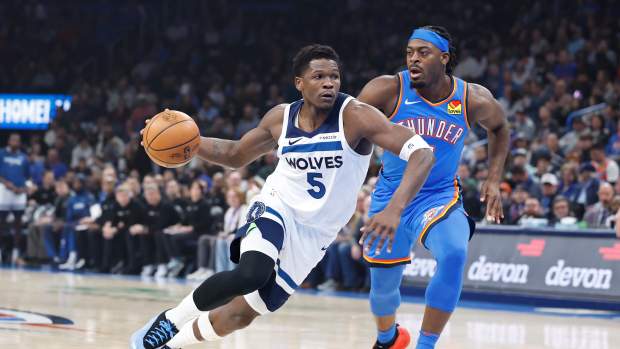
{"points": [[329, 285], [197, 274], [70, 263], [162, 271], [174, 267], [80, 264], [147, 270]]}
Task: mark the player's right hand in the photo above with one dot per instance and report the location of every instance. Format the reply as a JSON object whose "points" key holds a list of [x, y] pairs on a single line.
{"points": [[381, 226], [146, 123]]}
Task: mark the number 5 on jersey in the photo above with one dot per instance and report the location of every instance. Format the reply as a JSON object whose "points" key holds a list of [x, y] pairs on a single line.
{"points": [[318, 188]]}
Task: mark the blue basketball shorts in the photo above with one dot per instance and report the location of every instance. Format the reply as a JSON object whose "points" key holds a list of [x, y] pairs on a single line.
{"points": [[417, 220]]}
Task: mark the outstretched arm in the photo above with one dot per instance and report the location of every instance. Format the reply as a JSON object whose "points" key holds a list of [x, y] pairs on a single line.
{"points": [[487, 112], [253, 144], [373, 126]]}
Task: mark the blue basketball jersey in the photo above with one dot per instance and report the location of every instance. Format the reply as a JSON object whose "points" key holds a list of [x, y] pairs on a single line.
{"points": [[443, 125]]}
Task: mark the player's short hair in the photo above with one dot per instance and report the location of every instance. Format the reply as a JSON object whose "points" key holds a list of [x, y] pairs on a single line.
{"points": [[308, 53], [443, 32]]}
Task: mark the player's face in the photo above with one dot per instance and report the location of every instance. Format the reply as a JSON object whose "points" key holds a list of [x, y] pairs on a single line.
{"points": [[425, 62], [320, 83]]}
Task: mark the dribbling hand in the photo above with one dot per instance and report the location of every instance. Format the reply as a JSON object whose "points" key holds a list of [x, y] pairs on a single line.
{"points": [[381, 226]]}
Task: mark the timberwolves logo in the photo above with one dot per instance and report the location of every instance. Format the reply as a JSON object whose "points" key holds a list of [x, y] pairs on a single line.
{"points": [[9, 316], [257, 210]]}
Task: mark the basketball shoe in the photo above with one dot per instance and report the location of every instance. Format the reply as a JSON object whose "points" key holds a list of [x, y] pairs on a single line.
{"points": [[400, 341], [154, 334]]}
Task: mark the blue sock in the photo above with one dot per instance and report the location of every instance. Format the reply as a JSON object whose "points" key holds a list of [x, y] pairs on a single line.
{"points": [[387, 336], [427, 340]]}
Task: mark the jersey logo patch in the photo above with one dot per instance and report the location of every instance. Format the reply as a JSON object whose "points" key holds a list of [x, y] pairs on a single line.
{"points": [[254, 213], [291, 141], [455, 107], [430, 214]]}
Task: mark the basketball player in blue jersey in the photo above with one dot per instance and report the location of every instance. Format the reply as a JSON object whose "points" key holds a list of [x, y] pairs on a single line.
{"points": [[324, 144], [441, 108]]}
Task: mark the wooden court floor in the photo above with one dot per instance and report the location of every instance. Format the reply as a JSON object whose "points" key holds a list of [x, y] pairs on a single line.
{"points": [[37, 309]]}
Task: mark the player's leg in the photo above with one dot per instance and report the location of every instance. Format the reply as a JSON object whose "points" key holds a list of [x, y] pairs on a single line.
{"points": [[384, 301], [215, 324], [259, 252], [386, 272], [447, 240]]}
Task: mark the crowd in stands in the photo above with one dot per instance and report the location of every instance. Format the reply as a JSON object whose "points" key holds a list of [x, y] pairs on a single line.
{"points": [[95, 200]]}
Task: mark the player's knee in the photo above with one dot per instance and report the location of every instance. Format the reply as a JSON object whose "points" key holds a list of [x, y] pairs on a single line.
{"points": [[252, 279], [453, 257], [384, 303], [254, 271]]}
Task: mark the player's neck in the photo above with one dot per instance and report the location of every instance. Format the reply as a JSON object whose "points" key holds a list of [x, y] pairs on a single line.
{"points": [[438, 90], [310, 117]]}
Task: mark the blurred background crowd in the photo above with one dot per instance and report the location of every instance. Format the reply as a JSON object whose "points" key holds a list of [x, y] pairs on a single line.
{"points": [[95, 200]]}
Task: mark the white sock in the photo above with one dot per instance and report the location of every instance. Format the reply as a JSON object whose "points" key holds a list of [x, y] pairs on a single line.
{"points": [[184, 312], [186, 335]]}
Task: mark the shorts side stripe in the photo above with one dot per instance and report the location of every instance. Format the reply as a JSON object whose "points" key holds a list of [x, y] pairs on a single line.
{"points": [[275, 213], [443, 213]]}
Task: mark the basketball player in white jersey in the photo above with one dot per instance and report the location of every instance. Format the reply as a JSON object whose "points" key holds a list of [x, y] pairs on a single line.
{"points": [[324, 144]]}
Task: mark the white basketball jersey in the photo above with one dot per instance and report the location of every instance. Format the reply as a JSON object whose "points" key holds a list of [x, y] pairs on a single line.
{"points": [[318, 175]]}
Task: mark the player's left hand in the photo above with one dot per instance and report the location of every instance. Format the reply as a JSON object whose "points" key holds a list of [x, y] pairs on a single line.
{"points": [[382, 226], [490, 194]]}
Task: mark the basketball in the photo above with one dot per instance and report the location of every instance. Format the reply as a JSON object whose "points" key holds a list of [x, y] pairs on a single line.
{"points": [[171, 138]]}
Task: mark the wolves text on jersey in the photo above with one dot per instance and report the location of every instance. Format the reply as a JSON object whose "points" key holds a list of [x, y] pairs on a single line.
{"points": [[430, 127], [314, 163]]}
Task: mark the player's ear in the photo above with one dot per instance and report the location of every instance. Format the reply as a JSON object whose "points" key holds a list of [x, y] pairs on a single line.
{"points": [[299, 83], [445, 58]]}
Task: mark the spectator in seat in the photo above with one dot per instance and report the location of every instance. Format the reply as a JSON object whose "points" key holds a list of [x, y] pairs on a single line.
{"points": [[124, 236], [517, 206], [569, 185], [549, 190], [78, 212], [196, 227], [561, 215], [234, 218], [596, 216], [42, 204], [160, 215], [532, 214], [180, 237], [607, 169], [520, 177], [588, 187], [52, 232]]}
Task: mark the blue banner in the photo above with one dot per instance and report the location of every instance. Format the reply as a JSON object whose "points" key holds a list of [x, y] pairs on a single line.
{"points": [[30, 111]]}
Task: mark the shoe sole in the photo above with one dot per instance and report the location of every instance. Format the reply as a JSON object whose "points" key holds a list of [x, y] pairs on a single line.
{"points": [[137, 338]]}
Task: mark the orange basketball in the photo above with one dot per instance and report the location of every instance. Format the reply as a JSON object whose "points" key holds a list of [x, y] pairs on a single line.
{"points": [[171, 138]]}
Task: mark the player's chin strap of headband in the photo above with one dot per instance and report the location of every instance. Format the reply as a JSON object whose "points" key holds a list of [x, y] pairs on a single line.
{"points": [[432, 37]]}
